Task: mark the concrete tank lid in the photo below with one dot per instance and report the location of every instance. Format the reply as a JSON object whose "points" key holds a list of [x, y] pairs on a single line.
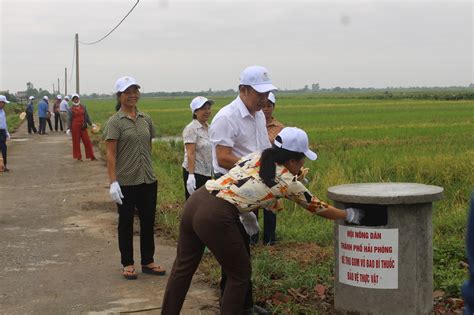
{"points": [[385, 193]]}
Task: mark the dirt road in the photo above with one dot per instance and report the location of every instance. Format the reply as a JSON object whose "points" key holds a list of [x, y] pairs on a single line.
{"points": [[59, 251]]}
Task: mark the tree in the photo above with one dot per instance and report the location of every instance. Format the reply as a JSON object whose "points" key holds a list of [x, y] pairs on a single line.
{"points": [[30, 90], [315, 86]]}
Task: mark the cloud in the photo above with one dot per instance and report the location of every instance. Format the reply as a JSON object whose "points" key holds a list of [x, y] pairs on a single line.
{"points": [[196, 45]]}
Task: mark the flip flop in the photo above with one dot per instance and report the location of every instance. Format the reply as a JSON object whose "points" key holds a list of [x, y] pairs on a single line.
{"points": [[155, 270], [129, 274]]}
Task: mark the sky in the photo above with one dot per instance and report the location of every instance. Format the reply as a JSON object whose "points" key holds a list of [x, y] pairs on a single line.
{"points": [[194, 45]]}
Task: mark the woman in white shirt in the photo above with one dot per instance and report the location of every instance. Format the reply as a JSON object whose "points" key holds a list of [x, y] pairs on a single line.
{"points": [[197, 164]]}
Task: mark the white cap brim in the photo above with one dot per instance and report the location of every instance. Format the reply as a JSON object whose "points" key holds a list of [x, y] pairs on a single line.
{"points": [[129, 85], [311, 155], [264, 88], [211, 102]]}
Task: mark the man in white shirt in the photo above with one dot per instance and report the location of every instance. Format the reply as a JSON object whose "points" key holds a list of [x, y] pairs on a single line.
{"points": [[238, 129]]}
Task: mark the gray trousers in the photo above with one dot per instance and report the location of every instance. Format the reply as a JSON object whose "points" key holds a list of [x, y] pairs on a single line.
{"points": [[64, 119]]}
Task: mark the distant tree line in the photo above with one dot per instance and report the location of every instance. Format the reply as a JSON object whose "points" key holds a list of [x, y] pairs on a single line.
{"points": [[436, 93]]}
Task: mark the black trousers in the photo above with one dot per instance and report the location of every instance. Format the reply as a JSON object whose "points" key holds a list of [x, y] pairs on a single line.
{"points": [[48, 120], [143, 198], [57, 118], [213, 222], [269, 227], [3, 145], [31, 123], [200, 181]]}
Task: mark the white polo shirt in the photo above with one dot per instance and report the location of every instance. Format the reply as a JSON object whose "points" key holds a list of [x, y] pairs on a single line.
{"points": [[234, 126]]}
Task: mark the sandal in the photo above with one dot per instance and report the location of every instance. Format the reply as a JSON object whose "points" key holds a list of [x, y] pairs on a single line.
{"points": [[129, 273], [153, 270]]}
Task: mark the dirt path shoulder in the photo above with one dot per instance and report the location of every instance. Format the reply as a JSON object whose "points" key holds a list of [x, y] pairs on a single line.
{"points": [[59, 251]]}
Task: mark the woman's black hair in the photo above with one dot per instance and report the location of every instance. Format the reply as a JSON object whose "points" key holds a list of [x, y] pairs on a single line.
{"points": [[275, 155], [117, 107]]}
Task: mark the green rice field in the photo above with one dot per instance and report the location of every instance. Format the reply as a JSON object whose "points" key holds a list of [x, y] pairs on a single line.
{"points": [[357, 141]]}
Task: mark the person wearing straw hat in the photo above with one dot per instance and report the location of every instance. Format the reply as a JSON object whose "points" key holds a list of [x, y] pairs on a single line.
{"points": [[211, 216], [197, 163], [43, 114], [4, 134], [29, 116], [63, 111], [78, 121], [57, 117], [128, 138]]}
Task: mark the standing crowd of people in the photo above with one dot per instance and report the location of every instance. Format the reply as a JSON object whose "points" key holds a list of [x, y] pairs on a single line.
{"points": [[71, 119], [243, 161], [58, 112]]}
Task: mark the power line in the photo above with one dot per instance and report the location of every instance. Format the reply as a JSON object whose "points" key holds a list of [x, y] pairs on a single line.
{"points": [[113, 28]]}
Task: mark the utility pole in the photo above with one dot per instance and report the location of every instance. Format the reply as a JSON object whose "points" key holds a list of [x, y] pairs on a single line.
{"points": [[59, 89], [77, 63], [65, 81], [53, 88]]}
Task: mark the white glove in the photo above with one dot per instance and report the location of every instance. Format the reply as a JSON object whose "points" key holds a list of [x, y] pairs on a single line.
{"points": [[8, 136], [354, 215], [94, 125], [116, 192], [250, 222], [68, 132], [191, 183]]}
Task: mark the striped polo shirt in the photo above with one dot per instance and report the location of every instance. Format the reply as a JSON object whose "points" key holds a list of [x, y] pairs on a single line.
{"points": [[133, 159]]}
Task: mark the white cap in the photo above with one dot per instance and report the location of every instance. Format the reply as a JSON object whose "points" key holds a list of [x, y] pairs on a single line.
{"points": [[75, 95], [4, 99], [124, 83], [66, 97], [46, 98], [257, 77], [31, 97], [59, 97], [199, 102], [271, 98], [296, 140]]}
